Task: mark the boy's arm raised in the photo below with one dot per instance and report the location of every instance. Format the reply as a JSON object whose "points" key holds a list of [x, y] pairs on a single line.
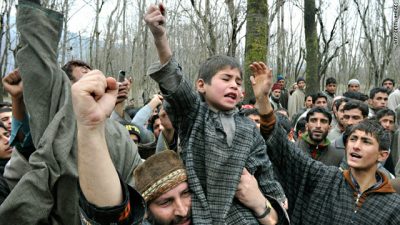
{"points": [[155, 20]]}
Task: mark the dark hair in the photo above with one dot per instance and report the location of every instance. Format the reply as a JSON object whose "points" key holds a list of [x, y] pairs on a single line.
{"points": [[385, 112], [5, 109], [248, 112], [308, 95], [353, 104], [330, 80], [388, 79], [376, 90], [282, 110], [152, 120], [356, 95], [70, 65], [5, 105], [319, 110], [374, 128], [301, 126], [317, 96], [216, 63], [339, 101]]}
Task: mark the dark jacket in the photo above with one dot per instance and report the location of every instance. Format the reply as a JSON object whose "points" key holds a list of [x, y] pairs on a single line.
{"points": [[324, 152], [320, 194]]}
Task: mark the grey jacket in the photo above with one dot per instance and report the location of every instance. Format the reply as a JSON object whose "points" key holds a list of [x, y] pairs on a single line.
{"points": [[48, 192]]}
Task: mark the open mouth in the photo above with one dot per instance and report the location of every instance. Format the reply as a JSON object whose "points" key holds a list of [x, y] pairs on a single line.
{"points": [[231, 95], [355, 155]]}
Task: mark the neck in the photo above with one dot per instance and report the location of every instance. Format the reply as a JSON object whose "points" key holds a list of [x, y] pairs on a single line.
{"points": [[364, 178]]}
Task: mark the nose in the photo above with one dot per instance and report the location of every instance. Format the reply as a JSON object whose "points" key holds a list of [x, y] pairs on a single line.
{"points": [[180, 208]]}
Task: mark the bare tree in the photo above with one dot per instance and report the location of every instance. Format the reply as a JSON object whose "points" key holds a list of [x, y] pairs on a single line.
{"points": [[256, 38], [310, 29], [379, 45]]}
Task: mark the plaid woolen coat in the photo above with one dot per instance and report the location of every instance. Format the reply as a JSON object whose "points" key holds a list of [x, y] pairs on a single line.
{"points": [[214, 168], [320, 194]]}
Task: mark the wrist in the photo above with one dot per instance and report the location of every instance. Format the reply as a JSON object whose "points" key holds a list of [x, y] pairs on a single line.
{"points": [[262, 211]]}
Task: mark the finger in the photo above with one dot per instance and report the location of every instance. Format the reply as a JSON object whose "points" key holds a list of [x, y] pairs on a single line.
{"points": [[245, 172], [111, 83], [252, 80], [162, 8]]}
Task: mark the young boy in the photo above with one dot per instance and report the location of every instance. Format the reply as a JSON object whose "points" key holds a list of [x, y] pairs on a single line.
{"points": [[320, 194], [217, 143]]}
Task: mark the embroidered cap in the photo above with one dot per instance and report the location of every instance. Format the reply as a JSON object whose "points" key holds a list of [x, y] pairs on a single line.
{"points": [[159, 174]]}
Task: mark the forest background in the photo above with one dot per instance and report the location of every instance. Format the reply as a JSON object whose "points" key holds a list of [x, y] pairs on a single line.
{"points": [[315, 39]]}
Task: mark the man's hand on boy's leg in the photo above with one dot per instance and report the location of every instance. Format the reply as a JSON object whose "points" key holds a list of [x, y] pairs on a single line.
{"points": [[261, 80], [155, 20]]}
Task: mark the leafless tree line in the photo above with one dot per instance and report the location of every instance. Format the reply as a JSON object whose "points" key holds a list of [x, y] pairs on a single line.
{"points": [[355, 38]]}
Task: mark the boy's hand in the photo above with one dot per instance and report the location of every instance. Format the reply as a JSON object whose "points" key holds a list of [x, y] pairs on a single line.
{"points": [[155, 20]]}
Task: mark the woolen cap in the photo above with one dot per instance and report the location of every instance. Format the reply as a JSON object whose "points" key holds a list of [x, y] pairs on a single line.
{"points": [[276, 86], [159, 174]]}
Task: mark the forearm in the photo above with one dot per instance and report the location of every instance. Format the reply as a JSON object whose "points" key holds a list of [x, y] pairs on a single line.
{"points": [[264, 105], [119, 109], [98, 178], [163, 49]]}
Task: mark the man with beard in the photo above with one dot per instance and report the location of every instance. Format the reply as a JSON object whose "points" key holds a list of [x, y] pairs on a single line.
{"points": [[315, 142], [275, 96]]}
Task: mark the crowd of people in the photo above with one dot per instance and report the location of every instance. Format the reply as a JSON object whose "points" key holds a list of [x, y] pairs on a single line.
{"points": [[73, 152]]}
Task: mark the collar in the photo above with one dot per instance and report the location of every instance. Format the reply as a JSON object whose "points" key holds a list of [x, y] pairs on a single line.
{"points": [[381, 186], [226, 113], [323, 144]]}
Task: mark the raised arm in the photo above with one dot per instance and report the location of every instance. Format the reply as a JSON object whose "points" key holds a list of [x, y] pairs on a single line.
{"points": [[94, 98], [20, 132], [298, 172], [180, 95], [155, 19]]}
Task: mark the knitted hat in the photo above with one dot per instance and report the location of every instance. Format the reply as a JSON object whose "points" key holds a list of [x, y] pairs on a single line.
{"points": [[353, 81], [276, 86], [159, 174], [280, 77], [300, 79]]}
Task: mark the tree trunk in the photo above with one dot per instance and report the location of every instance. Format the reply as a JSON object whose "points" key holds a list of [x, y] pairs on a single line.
{"points": [[65, 34], [310, 29], [256, 48]]}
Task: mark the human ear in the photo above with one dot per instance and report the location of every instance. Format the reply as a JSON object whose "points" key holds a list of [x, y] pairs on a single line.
{"points": [[200, 85], [383, 155]]}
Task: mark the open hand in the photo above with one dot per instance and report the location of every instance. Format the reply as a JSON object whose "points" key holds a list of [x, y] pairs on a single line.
{"points": [[261, 79]]}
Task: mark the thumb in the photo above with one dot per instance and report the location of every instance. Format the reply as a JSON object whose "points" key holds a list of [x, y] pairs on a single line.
{"points": [[245, 172], [111, 84], [252, 80]]}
